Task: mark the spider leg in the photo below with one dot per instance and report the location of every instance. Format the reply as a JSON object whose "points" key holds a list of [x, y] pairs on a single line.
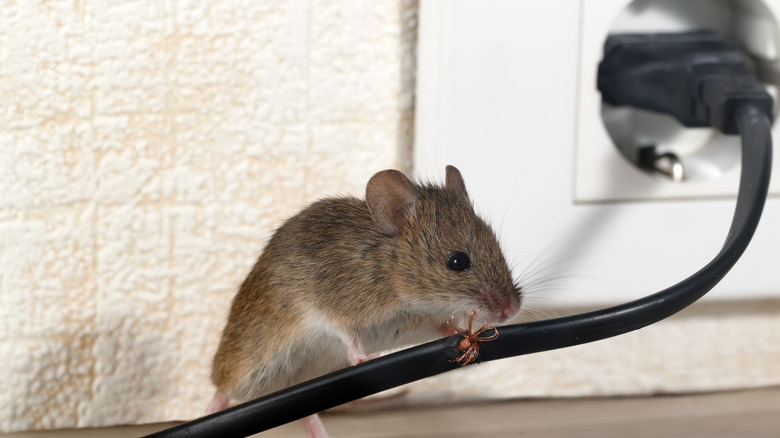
{"points": [[482, 328], [473, 354], [491, 337], [471, 318], [487, 338]]}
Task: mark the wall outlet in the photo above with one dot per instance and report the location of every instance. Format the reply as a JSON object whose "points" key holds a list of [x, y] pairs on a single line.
{"points": [[710, 158], [506, 92]]}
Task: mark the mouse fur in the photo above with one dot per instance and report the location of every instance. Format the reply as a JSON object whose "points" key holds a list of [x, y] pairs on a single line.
{"points": [[348, 276]]}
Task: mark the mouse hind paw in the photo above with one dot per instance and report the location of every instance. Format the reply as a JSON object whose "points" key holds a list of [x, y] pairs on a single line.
{"points": [[314, 427], [218, 403]]}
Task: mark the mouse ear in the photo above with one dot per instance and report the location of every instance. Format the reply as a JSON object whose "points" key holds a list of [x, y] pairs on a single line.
{"points": [[391, 200], [454, 182]]}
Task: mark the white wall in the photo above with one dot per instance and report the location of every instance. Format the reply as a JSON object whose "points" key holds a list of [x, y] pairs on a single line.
{"points": [[502, 86]]}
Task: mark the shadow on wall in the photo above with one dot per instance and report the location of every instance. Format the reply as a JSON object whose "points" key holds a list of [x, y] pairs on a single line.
{"points": [[408, 69]]}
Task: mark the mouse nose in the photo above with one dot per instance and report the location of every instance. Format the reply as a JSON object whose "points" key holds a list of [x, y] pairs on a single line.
{"points": [[508, 309], [501, 306]]}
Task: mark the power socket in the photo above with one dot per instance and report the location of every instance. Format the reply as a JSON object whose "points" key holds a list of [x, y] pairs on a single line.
{"points": [[507, 93], [711, 159]]}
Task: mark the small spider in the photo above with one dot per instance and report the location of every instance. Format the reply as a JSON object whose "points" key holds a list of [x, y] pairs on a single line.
{"points": [[471, 339]]}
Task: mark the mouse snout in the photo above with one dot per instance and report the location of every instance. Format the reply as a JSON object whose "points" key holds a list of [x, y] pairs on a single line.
{"points": [[508, 310], [501, 306]]}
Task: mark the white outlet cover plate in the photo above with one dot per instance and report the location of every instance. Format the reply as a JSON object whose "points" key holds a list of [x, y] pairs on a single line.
{"points": [[502, 96]]}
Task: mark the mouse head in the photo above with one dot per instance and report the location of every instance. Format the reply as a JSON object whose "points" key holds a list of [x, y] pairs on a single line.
{"points": [[446, 259]]}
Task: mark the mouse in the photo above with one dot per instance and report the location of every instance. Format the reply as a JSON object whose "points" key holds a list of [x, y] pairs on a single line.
{"points": [[347, 278]]}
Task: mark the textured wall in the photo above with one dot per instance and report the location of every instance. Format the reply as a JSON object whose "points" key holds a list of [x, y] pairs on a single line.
{"points": [[147, 150]]}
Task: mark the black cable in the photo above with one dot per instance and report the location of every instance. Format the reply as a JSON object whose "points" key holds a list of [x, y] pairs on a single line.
{"points": [[438, 356]]}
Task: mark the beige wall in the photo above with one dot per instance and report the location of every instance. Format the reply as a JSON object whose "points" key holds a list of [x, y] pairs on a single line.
{"points": [[149, 148]]}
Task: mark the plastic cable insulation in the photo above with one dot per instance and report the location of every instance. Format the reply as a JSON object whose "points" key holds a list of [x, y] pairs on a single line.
{"points": [[437, 356]]}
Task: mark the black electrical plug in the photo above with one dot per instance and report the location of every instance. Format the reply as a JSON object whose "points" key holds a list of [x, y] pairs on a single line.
{"points": [[700, 78]]}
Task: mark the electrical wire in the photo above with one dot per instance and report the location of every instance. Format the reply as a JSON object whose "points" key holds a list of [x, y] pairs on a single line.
{"points": [[438, 356]]}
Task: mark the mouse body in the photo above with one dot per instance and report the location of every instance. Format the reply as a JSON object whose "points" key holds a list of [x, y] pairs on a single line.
{"points": [[348, 277]]}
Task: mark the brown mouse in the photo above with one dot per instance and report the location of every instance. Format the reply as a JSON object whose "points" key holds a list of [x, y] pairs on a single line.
{"points": [[345, 278]]}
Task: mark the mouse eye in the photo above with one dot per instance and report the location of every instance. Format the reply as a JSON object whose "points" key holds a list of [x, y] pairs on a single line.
{"points": [[458, 262]]}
